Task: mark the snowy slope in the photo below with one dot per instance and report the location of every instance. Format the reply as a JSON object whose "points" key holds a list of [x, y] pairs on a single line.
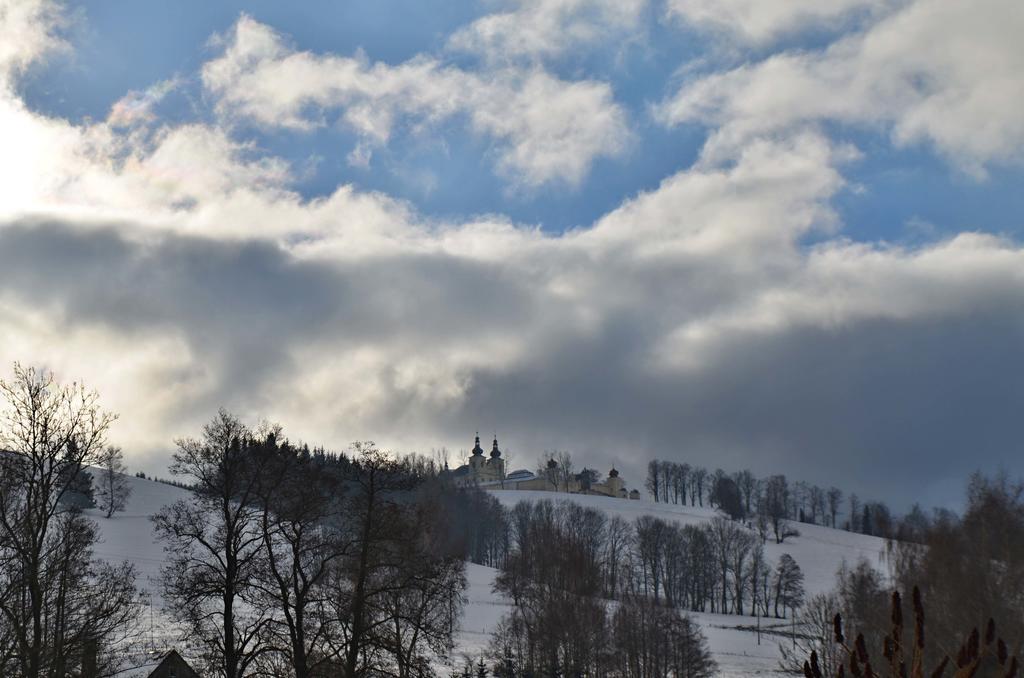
{"points": [[819, 551], [128, 535]]}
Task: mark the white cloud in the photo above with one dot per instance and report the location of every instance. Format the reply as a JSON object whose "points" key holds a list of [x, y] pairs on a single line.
{"points": [[776, 191], [28, 31], [547, 130], [541, 29], [755, 22], [137, 107], [943, 73]]}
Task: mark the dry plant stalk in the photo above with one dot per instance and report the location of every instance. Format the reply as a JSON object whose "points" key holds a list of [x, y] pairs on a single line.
{"points": [[967, 662]]}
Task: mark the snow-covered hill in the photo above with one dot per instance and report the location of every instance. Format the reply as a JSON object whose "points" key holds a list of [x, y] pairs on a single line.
{"points": [[818, 550]]}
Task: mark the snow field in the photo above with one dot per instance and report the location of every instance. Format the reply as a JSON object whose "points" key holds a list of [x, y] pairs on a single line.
{"points": [[818, 550]]}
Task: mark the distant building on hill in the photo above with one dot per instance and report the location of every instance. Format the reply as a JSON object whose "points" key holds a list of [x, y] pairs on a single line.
{"points": [[490, 473], [481, 469]]}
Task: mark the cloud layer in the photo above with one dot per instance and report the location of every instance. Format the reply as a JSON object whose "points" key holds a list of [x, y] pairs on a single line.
{"points": [[720, 316]]}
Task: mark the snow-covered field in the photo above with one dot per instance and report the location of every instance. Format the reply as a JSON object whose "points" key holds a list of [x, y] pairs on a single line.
{"points": [[818, 550]]}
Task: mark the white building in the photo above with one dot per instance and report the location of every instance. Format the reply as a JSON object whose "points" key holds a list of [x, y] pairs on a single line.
{"points": [[491, 473], [481, 469]]}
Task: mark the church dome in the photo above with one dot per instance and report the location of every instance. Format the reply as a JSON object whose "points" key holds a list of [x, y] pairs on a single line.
{"points": [[613, 473], [495, 452], [477, 450]]}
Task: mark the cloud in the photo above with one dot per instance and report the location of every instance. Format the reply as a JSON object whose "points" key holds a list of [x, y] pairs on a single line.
{"points": [[687, 323], [29, 30], [775, 192], [547, 130], [175, 267], [755, 23], [940, 73], [193, 178], [137, 107], [544, 29]]}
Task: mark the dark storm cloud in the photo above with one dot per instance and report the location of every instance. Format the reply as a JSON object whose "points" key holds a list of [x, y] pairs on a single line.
{"points": [[897, 410]]}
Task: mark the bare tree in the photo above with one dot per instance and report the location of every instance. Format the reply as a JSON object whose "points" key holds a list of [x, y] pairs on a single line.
{"points": [[698, 478], [968, 569], [653, 482], [57, 605], [359, 564], [421, 608], [815, 506], [298, 514], [747, 484], [776, 507], [759, 574], [547, 468], [214, 547], [726, 539], [834, 498], [618, 538], [375, 529], [441, 457], [681, 480], [648, 640], [565, 468], [112, 488], [814, 633], [854, 525], [651, 536]]}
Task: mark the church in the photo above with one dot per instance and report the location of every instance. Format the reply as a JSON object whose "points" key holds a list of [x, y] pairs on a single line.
{"points": [[489, 472], [480, 469]]}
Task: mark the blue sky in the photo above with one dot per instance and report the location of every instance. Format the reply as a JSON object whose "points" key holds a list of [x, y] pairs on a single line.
{"points": [[123, 46], [736, 232]]}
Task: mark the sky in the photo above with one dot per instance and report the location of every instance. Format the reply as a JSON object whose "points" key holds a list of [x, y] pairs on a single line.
{"points": [[783, 236]]}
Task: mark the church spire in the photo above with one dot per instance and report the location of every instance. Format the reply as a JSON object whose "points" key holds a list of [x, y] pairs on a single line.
{"points": [[477, 450], [495, 452]]}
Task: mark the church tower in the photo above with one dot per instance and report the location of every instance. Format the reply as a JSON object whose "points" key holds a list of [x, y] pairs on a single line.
{"points": [[496, 465], [615, 484], [476, 459]]}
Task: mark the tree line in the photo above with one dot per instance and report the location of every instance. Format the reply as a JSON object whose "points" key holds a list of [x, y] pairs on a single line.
{"points": [[775, 504]]}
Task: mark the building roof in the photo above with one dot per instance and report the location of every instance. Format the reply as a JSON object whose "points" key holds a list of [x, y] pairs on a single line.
{"points": [[175, 660]]}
